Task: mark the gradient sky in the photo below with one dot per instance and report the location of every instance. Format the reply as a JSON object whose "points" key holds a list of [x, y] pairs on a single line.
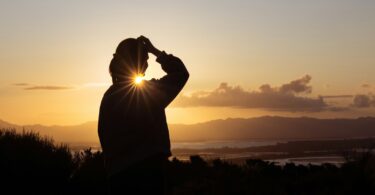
{"points": [[55, 54]]}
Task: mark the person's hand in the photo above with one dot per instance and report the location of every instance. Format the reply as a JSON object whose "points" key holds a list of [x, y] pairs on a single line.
{"points": [[149, 46]]}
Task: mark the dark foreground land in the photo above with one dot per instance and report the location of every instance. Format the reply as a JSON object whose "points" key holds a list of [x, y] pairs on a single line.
{"points": [[30, 164]]}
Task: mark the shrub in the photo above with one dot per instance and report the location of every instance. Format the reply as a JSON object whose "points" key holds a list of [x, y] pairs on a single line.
{"points": [[34, 163]]}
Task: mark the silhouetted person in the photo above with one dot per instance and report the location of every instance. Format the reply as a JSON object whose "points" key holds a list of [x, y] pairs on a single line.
{"points": [[132, 127]]}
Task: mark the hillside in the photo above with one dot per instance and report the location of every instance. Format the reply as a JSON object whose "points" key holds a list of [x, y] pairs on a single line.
{"points": [[229, 129], [275, 128]]}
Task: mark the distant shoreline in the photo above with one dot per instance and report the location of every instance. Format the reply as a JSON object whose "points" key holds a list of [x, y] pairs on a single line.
{"points": [[278, 151]]}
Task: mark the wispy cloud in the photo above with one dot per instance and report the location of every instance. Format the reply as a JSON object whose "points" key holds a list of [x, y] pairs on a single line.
{"points": [[28, 86], [48, 87], [21, 84], [363, 101], [366, 85], [336, 96]]}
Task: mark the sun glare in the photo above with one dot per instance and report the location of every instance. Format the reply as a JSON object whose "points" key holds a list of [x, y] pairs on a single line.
{"points": [[138, 80]]}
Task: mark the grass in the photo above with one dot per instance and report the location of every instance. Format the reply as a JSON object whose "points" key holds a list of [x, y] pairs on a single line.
{"points": [[32, 164]]}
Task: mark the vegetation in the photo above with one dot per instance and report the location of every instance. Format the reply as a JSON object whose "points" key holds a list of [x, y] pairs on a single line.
{"points": [[35, 165]]}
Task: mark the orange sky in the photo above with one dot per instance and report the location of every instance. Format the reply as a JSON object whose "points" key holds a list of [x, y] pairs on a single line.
{"points": [[55, 55]]}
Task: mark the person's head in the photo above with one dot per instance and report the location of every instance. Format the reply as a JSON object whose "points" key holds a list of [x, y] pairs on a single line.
{"points": [[129, 60]]}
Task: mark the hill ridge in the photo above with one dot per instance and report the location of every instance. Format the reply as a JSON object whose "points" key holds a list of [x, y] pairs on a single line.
{"points": [[264, 127]]}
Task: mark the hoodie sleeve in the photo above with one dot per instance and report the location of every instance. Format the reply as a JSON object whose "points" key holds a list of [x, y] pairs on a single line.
{"points": [[171, 84]]}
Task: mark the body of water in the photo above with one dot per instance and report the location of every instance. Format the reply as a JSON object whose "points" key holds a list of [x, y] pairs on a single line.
{"points": [[194, 145], [236, 157], [225, 143]]}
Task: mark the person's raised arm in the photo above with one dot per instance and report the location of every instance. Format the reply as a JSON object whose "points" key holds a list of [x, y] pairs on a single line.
{"points": [[177, 74]]}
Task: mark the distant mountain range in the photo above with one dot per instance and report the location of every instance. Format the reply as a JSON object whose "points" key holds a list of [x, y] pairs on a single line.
{"points": [[268, 127], [86, 132]]}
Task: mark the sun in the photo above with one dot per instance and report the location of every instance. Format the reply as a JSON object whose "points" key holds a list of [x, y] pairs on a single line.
{"points": [[138, 79]]}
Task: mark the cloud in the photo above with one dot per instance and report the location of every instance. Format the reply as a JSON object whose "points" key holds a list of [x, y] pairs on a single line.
{"points": [[366, 85], [48, 87], [336, 96], [28, 86], [287, 97], [363, 101], [297, 86], [21, 84]]}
